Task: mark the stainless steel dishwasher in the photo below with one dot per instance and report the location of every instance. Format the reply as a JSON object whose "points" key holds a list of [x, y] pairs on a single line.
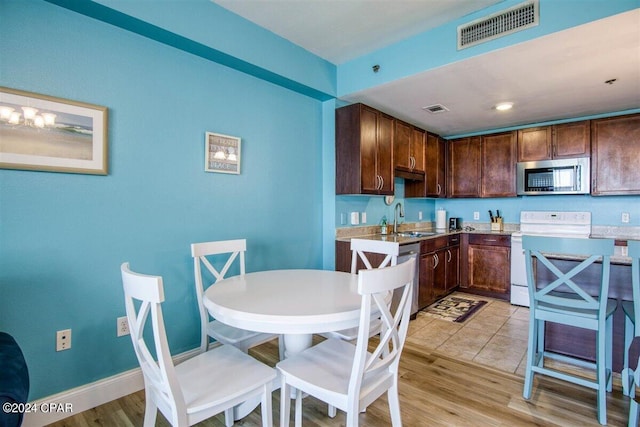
{"points": [[406, 252]]}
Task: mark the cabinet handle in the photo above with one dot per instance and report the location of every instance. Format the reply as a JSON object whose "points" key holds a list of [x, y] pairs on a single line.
{"points": [[490, 240], [436, 260], [381, 182], [449, 255], [439, 188], [412, 162]]}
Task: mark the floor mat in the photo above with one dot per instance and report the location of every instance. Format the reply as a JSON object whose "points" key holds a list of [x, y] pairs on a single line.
{"points": [[453, 308]]}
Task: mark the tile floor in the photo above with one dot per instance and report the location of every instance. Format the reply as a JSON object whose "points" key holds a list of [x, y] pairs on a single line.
{"points": [[496, 335]]}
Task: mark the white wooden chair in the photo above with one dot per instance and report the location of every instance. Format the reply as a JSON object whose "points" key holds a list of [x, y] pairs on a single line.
{"points": [[564, 300], [359, 250], [221, 332], [630, 377], [347, 376], [199, 388]]}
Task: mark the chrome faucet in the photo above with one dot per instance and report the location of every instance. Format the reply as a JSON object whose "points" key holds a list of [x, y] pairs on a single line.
{"points": [[395, 216]]}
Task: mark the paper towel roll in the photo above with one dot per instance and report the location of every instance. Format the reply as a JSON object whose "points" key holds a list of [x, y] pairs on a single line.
{"points": [[441, 219]]}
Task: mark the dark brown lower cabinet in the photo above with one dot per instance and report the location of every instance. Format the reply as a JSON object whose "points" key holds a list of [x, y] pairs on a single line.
{"points": [[439, 268], [488, 269]]}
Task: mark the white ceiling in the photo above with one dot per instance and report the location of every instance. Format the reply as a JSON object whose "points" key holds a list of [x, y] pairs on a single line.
{"points": [[554, 77]]}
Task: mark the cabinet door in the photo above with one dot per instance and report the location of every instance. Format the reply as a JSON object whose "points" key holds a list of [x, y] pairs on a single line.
{"points": [[369, 180], [534, 144], [489, 268], [615, 155], [434, 166], [572, 140], [417, 149], [436, 158], [384, 157], [463, 175], [427, 270], [452, 270], [440, 274], [499, 165], [402, 144]]}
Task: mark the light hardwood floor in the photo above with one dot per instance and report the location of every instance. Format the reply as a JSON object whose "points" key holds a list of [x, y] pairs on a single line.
{"points": [[440, 385]]}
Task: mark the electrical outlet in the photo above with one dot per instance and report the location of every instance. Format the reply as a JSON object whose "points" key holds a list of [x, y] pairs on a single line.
{"points": [[63, 340], [363, 217], [123, 326], [419, 215], [476, 216], [625, 217]]}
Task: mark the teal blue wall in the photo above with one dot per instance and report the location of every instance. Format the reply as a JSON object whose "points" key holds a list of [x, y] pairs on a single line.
{"points": [[64, 236]]}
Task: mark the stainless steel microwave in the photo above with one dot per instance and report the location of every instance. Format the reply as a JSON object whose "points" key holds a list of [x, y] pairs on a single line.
{"points": [[562, 176]]}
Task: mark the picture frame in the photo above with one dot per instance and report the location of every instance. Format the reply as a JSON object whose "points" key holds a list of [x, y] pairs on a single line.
{"points": [[44, 133], [222, 153]]}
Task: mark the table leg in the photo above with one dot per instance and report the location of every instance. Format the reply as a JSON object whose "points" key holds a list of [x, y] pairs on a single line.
{"points": [[293, 344]]}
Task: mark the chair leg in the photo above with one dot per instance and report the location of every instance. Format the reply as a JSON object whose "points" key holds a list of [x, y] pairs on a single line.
{"points": [[265, 406], [298, 414], [633, 414], [601, 372], [628, 338], [332, 411], [285, 403], [228, 417], [394, 406], [150, 412], [532, 350], [609, 354]]}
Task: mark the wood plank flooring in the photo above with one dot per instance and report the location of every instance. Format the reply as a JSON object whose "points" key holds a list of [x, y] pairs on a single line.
{"points": [[436, 390]]}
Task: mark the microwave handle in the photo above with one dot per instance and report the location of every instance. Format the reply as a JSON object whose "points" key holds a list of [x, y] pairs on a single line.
{"points": [[576, 182]]}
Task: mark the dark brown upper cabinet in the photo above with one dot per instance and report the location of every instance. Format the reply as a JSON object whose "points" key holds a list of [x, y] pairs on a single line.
{"points": [[615, 156], [364, 151], [560, 141]]}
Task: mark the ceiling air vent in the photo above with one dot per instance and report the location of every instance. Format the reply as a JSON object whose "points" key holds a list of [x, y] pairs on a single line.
{"points": [[436, 108], [517, 18]]}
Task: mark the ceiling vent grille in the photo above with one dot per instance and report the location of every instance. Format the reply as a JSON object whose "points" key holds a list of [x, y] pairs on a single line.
{"points": [[436, 108], [517, 18]]}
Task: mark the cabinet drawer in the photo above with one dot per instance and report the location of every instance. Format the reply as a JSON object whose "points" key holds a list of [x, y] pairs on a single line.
{"points": [[430, 245], [490, 240], [454, 239]]}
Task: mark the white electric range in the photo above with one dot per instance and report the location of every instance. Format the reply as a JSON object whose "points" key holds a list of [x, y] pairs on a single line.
{"points": [[541, 223]]}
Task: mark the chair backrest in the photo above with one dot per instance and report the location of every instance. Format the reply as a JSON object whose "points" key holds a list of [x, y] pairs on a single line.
{"points": [[360, 248], [634, 253], [160, 379], [381, 365], [233, 249], [562, 289]]}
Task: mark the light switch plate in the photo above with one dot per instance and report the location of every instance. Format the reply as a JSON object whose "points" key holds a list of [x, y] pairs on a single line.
{"points": [[355, 218]]}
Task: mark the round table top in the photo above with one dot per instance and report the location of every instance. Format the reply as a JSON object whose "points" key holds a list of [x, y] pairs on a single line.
{"points": [[287, 301]]}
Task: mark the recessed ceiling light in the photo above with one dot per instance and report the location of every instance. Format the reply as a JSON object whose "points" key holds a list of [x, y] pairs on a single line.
{"points": [[504, 106]]}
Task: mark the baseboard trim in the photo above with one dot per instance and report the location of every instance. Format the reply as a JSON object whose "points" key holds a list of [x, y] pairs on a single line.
{"points": [[90, 395]]}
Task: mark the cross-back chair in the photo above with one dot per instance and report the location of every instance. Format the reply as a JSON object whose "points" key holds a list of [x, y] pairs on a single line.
{"points": [[564, 298], [365, 250], [347, 376], [198, 388], [631, 377], [203, 254]]}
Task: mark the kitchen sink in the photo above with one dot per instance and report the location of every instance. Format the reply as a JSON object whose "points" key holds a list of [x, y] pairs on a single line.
{"points": [[416, 234]]}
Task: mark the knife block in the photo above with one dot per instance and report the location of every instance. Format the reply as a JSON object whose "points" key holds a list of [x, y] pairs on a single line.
{"points": [[497, 225]]}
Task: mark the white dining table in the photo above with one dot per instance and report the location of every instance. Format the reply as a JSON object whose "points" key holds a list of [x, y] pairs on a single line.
{"points": [[293, 303]]}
